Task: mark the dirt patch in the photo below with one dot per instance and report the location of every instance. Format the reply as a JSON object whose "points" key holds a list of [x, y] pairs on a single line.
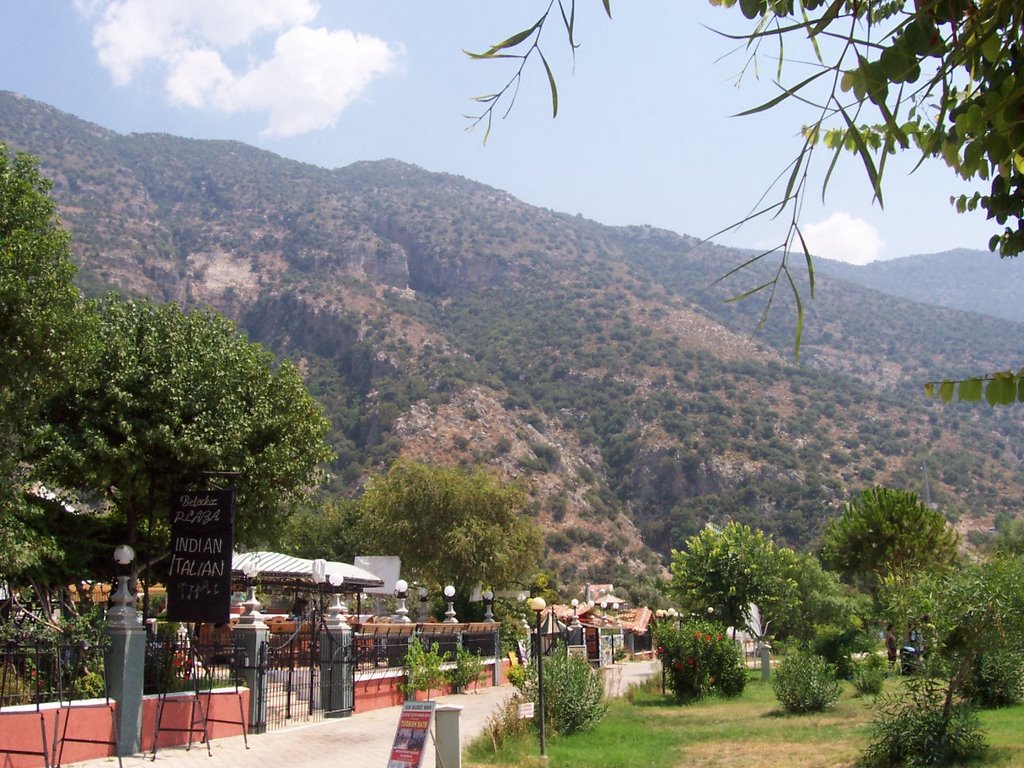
{"points": [[742, 754]]}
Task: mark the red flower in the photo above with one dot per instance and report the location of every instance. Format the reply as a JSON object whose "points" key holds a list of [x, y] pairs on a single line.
{"points": [[719, 637], [712, 679], [677, 665], [707, 638], [690, 661], [697, 635], [661, 651]]}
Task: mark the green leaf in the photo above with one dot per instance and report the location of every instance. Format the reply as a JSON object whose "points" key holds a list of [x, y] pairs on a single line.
{"points": [[781, 97], [827, 18], [1001, 390], [608, 7], [510, 42], [551, 82], [970, 390], [865, 154], [946, 391]]}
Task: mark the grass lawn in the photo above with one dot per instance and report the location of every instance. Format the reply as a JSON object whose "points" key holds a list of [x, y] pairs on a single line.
{"points": [[649, 730]]}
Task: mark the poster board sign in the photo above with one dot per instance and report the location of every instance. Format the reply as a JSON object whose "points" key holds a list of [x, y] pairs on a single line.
{"points": [[199, 577], [576, 651], [411, 736]]}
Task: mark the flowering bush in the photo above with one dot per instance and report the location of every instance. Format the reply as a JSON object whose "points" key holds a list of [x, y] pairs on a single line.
{"points": [[699, 660]]}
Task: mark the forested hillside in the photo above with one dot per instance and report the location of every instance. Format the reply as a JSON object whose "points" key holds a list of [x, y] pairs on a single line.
{"points": [[441, 319]]}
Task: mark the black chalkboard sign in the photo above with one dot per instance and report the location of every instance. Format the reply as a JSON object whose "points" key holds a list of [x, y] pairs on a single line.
{"points": [[199, 582]]}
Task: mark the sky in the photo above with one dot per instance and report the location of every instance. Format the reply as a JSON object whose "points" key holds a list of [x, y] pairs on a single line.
{"points": [[646, 131]]}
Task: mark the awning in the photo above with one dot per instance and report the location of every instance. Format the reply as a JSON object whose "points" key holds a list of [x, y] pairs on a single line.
{"points": [[273, 568]]}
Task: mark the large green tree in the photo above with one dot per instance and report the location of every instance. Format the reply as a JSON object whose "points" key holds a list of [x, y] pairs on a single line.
{"points": [[167, 397], [41, 322], [329, 530], [727, 569], [449, 525], [884, 532]]}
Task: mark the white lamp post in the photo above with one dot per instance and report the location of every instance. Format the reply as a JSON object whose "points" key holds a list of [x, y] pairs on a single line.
{"points": [[337, 609], [401, 590], [575, 615], [537, 605], [122, 611], [449, 596], [251, 606], [488, 597]]}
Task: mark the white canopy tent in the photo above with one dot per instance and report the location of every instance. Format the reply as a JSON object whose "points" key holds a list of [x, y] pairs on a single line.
{"points": [[273, 568]]}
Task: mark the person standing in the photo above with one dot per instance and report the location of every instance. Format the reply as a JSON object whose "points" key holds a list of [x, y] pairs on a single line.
{"points": [[891, 646]]}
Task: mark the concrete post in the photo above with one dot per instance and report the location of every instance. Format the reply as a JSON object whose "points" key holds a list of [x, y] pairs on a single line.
{"points": [[252, 633], [335, 668], [447, 746], [124, 663], [766, 661]]}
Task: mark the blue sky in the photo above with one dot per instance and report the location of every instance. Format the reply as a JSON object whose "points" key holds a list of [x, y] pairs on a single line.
{"points": [[644, 133]]}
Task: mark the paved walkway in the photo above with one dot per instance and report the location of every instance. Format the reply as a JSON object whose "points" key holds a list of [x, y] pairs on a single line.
{"points": [[361, 741]]}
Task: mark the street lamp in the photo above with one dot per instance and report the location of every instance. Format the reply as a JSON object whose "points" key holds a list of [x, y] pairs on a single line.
{"points": [[488, 605], [337, 609], [251, 606], [537, 605], [122, 602], [422, 618], [449, 615], [401, 590], [575, 615]]}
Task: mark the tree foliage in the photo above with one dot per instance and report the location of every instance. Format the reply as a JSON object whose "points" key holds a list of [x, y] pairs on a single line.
{"points": [[41, 321], [884, 533], [974, 613], [329, 530], [448, 525], [167, 396], [728, 569]]}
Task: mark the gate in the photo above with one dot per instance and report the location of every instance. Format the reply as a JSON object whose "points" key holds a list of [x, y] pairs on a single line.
{"points": [[290, 667], [306, 672]]}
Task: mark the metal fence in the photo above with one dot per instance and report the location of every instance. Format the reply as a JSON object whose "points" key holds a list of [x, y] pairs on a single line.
{"points": [[174, 665], [36, 672], [39, 671]]}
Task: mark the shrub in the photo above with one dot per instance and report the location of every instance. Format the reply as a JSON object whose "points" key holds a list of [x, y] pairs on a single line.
{"points": [[700, 660], [573, 692], [805, 682], [869, 675], [997, 679], [915, 728], [467, 670], [422, 668], [836, 645]]}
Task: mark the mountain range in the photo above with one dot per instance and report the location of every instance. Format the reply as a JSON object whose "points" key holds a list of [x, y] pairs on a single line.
{"points": [[444, 320]]}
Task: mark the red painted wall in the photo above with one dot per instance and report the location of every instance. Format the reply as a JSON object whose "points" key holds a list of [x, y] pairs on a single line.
{"points": [[23, 730]]}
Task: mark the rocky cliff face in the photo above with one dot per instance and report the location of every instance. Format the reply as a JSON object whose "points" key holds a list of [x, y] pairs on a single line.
{"points": [[440, 319]]}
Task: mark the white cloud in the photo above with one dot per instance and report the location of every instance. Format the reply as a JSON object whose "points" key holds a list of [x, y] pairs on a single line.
{"points": [[312, 75], [843, 237]]}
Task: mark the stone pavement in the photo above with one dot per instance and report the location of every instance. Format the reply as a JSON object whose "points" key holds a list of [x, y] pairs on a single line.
{"points": [[361, 741]]}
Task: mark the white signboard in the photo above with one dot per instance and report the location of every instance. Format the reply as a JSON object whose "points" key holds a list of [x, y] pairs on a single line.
{"points": [[387, 568]]}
